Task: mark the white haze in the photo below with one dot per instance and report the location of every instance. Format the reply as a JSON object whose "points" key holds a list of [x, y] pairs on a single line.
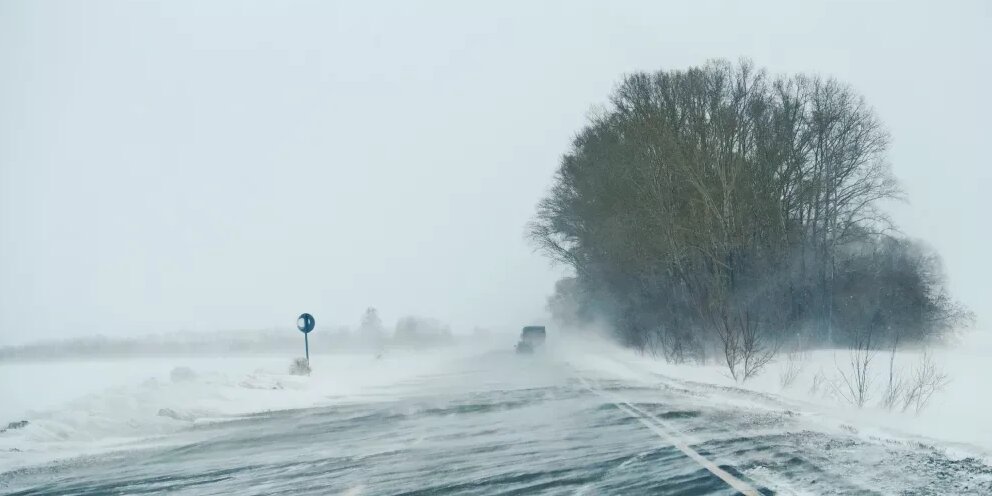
{"points": [[198, 166]]}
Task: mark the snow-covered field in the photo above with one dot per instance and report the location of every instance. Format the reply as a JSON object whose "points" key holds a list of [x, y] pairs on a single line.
{"points": [[957, 416], [85, 407]]}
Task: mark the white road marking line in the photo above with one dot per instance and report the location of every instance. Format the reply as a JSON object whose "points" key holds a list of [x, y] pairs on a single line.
{"points": [[664, 431]]}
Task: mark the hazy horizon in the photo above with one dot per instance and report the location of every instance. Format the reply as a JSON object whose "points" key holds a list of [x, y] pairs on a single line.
{"points": [[194, 166]]}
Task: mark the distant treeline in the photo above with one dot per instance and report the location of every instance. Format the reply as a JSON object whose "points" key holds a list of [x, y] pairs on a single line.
{"points": [[370, 335], [720, 200]]}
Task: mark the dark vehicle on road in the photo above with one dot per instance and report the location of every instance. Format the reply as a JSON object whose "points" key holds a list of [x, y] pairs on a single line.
{"points": [[531, 338]]}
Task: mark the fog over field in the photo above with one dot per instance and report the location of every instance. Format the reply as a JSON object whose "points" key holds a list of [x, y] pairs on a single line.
{"points": [[209, 166]]}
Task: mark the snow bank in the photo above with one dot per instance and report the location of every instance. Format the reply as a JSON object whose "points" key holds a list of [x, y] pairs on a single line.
{"points": [[956, 417], [75, 408]]}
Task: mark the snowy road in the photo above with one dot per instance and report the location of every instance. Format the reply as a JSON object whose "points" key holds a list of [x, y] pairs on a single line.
{"points": [[497, 423]]}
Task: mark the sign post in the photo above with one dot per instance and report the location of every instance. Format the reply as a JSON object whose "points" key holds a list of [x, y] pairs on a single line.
{"points": [[305, 323]]}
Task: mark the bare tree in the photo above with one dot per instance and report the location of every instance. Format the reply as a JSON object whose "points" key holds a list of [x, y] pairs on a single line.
{"points": [[730, 338], [819, 380], [926, 380], [856, 387], [895, 386], [746, 350], [894, 390], [371, 331], [791, 369], [678, 346], [756, 350]]}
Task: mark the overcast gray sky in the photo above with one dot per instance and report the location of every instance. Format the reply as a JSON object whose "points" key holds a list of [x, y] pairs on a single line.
{"points": [[194, 165]]}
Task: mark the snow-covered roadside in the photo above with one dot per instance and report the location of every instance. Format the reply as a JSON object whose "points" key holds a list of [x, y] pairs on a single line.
{"points": [[76, 408], [955, 418]]}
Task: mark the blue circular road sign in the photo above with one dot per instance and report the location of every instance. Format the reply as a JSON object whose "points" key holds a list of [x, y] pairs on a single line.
{"points": [[305, 323]]}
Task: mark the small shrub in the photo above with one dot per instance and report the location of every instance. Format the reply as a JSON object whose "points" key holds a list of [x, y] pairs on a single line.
{"points": [[926, 380], [896, 386], [856, 382], [818, 382], [746, 349], [894, 392], [300, 366], [756, 351], [790, 370]]}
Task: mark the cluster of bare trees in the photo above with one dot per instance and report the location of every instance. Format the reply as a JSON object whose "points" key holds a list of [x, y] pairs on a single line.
{"points": [[903, 390], [421, 332], [721, 207], [913, 390]]}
